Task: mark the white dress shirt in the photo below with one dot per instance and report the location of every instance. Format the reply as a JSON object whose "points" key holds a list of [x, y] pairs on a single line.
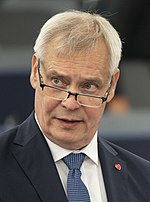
{"points": [[91, 168]]}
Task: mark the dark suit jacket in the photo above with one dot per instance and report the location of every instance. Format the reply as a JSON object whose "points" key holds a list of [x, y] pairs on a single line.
{"points": [[28, 172]]}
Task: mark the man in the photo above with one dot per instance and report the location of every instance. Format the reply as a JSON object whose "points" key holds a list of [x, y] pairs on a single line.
{"points": [[74, 74]]}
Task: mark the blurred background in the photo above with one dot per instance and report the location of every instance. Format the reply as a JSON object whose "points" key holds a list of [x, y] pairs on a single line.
{"points": [[128, 115]]}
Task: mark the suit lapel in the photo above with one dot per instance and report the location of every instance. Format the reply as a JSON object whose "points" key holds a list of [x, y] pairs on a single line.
{"points": [[32, 153], [114, 173]]}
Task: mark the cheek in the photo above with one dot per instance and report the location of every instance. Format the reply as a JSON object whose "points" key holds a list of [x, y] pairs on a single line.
{"points": [[94, 117], [48, 106], [43, 106]]}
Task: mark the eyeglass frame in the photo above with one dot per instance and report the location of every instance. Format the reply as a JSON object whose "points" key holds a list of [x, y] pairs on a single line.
{"points": [[103, 98]]}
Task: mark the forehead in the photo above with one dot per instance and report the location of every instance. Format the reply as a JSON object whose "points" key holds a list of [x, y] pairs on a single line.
{"points": [[92, 62]]}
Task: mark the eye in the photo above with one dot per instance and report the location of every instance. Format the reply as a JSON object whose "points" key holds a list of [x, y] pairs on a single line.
{"points": [[89, 87], [57, 82]]}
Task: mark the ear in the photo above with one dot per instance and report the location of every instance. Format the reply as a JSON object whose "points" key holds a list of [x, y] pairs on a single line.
{"points": [[114, 84], [34, 72]]}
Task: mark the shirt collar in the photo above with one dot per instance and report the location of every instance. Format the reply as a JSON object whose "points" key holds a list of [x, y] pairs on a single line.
{"points": [[91, 150]]}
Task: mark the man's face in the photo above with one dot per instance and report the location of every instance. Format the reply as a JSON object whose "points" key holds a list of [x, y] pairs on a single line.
{"points": [[66, 123]]}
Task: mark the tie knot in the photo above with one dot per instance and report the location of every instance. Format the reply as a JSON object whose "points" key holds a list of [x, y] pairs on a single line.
{"points": [[74, 161]]}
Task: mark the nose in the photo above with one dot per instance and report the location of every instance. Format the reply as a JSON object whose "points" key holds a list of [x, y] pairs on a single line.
{"points": [[70, 103]]}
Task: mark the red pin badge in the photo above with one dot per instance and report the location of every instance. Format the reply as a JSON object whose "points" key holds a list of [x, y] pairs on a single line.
{"points": [[118, 166]]}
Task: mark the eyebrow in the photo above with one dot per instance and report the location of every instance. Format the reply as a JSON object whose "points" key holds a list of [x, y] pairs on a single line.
{"points": [[96, 79], [58, 74]]}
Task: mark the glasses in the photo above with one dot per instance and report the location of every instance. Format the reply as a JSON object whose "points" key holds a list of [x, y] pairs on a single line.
{"points": [[61, 94]]}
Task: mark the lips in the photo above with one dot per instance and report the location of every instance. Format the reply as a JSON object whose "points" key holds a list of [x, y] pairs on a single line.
{"points": [[69, 120], [68, 123]]}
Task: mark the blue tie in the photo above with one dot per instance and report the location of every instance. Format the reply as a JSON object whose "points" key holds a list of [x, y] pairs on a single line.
{"points": [[76, 189]]}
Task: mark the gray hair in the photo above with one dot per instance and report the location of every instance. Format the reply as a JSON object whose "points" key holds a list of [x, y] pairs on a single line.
{"points": [[79, 31]]}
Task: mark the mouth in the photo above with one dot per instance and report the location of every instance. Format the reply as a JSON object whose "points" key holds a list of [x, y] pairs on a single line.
{"points": [[69, 123]]}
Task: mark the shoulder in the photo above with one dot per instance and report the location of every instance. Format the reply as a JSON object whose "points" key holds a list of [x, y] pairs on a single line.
{"points": [[137, 168], [135, 171], [132, 160], [8, 136], [6, 140]]}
